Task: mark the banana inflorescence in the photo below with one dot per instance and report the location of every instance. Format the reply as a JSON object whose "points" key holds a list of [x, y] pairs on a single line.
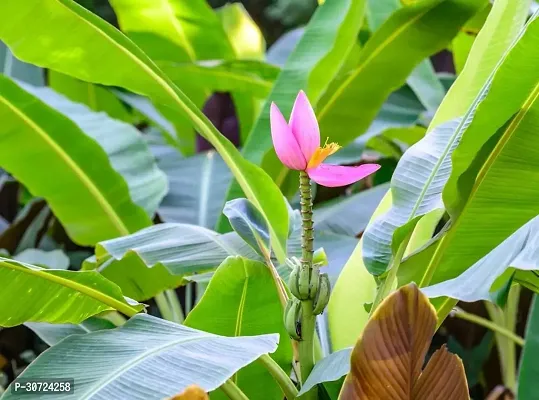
{"points": [[305, 284]]}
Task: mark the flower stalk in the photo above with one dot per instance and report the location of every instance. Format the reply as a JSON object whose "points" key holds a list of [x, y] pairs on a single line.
{"points": [[308, 319]]}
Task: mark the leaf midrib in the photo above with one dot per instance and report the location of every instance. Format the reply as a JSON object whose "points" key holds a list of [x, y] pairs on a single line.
{"points": [[101, 383], [71, 284], [368, 60], [203, 199], [198, 121], [72, 165]]}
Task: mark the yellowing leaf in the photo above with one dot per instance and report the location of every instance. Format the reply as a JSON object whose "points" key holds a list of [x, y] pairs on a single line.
{"points": [[387, 359]]}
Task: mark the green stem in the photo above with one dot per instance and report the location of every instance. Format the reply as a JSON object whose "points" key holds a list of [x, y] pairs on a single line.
{"points": [[115, 317], [164, 307], [308, 319], [175, 306], [232, 391], [458, 313], [506, 348], [280, 376]]}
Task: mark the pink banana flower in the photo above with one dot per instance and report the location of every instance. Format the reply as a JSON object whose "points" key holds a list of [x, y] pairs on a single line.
{"points": [[297, 144]]}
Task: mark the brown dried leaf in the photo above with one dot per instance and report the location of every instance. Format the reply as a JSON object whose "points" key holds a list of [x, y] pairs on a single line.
{"points": [[386, 361], [192, 392]]}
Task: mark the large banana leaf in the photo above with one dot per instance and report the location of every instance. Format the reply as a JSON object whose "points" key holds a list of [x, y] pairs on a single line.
{"points": [[197, 188], [429, 163], [147, 358], [124, 145], [396, 48], [180, 32], [490, 277], [423, 79], [57, 296], [242, 300], [174, 30], [68, 26], [53, 333], [318, 56], [503, 24], [156, 258], [491, 212], [59, 162]]}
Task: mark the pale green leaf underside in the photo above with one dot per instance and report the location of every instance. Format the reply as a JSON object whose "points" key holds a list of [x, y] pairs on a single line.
{"points": [[146, 359]]}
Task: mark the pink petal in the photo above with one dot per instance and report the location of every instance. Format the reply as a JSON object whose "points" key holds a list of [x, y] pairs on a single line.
{"points": [[336, 175], [305, 126], [286, 146]]}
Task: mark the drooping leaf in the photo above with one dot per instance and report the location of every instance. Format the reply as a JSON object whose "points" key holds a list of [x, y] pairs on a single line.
{"points": [[147, 358], [317, 57], [56, 296], [328, 369], [429, 161], [66, 24], [528, 371], [126, 150], [490, 277], [248, 224], [160, 257], [53, 333], [242, 300], [74, 173], [197, 188], [387, 360]]}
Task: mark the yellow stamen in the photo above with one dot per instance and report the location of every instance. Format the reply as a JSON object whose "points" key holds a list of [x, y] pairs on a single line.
{"points": [[322, 153]]}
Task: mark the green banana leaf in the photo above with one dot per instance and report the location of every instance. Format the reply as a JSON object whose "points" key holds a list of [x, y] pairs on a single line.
{"points": [[242, 300], [36, 294], [124, 145], [146, 358], [505, 150], [318, 56], [515, 259], [74, 171], [68, 25], [160, 257], [197, 188], [98, 98], [430, 161], [53, 333]]}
